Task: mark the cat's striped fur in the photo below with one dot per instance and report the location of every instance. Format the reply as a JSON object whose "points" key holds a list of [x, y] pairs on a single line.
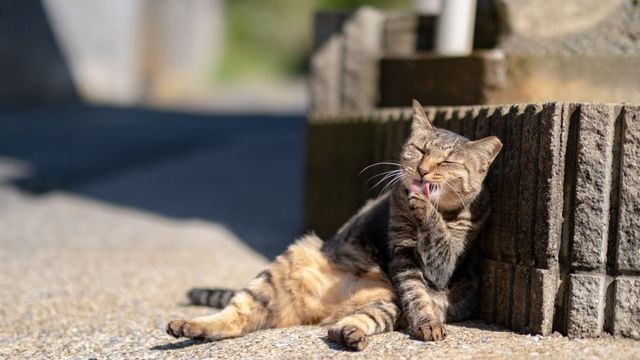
{"points": [[405, 259]]}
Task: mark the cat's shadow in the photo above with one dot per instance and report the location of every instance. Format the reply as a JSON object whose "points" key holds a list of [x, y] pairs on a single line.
{"points": [[334, 345], [177, 345]]}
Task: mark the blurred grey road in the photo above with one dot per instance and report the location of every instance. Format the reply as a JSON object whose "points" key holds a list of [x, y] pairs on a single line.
{"points": [[107, 217], [243, 170]]}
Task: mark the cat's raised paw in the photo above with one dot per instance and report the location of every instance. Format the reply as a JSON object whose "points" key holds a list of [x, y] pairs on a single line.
{"points": [[183, 328], [350, 336], [430, 331], [417, 200]]}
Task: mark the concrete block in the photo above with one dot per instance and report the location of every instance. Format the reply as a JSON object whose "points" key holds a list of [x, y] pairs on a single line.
{"points": [[527, 186], [495, 182], [585, 305], [455, 120], [504, 283], [363, 47], [626, 308], [544, 285], [440, 118], [554, 129], [325, 77], [344, 64], [592, 185], [441, 80], [483, 129], [483, 122], [468, 123], [488, 292], [628, 231], [510, 190], [520, 298], [583, 27]]}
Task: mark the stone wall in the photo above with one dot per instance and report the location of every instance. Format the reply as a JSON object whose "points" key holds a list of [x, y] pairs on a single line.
{"points": [[562, 247]]}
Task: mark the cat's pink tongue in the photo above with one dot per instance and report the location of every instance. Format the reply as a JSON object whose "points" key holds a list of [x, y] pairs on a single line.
{"points": [[420, 186]]}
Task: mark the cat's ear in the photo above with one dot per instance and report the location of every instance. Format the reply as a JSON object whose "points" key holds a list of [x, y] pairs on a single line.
{"points": [[486, 149], [420, 118]]}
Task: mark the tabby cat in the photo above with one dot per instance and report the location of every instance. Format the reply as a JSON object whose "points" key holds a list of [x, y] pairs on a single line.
{"points": [[404, 260]]}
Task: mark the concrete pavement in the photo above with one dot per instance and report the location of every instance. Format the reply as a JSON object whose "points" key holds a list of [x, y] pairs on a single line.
{"points": [[98, 251]]}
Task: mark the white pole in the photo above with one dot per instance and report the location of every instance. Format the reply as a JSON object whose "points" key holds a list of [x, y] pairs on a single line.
{"points": [[454, 29], [431, 7]]}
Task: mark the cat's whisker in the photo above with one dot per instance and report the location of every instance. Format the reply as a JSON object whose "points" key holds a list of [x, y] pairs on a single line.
{"points": [[379, 164], [456, 192], [386, 177], [382, 174], [393, 182]]}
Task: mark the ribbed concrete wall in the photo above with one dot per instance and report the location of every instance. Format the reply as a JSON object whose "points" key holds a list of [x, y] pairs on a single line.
{"points": [[562, 247]]}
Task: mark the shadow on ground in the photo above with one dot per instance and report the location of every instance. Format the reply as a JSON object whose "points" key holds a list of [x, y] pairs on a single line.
{"points": [[242, 170]]}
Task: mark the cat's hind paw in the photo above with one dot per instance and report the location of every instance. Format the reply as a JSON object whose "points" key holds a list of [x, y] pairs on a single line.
{"points": [[184, 328], [350, 336]]}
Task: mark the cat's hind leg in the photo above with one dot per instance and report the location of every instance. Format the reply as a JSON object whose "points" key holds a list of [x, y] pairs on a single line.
{"points": [[289, 292], [247, 310], [371, 310]]}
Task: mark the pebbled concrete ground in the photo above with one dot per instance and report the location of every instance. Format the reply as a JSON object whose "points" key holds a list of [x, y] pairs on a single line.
{"points": [[85, 279], [96, 268]]}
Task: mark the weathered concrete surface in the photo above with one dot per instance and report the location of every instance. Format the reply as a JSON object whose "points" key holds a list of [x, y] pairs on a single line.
{"points": [[501, 77], [512, 142], [488, 292], [344, 65], [326, 75], [503, 295], [363, 47], [586, 302], [86, 279], [441, 80], [628, 234], [592, 186], [580, 27], [528, 187], [544, 285], [626, 308], [554, 130], [521, 298]]}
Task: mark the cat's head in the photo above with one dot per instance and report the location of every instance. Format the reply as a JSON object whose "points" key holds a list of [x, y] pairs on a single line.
{"points": [[446, 167]]}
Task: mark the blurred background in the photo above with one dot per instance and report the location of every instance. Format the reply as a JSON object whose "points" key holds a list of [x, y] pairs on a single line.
{"points": [[194, 54], [192, 109], [149, 146], [176, 107]]}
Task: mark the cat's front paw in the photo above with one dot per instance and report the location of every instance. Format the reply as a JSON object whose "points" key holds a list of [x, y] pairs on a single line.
{"points": [[430, 331], [418, 205], [350, 336], [417, 200], [184, 328]]}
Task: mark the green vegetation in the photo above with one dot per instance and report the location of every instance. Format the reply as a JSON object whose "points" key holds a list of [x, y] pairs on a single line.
{"points": [[270, 40]]}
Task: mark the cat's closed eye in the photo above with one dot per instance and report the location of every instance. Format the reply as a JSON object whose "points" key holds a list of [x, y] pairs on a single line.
{"points": [[451, 163], [411, 152]]}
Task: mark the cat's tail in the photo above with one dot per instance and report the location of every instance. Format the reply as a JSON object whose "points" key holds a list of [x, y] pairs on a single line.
{"points": [[217, 298]]}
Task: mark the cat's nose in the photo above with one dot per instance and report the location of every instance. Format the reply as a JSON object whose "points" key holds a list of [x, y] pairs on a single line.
{"points": [[422, 171]]}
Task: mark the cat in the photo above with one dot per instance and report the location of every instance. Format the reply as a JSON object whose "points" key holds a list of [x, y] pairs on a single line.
{"points": [[406, 259]]}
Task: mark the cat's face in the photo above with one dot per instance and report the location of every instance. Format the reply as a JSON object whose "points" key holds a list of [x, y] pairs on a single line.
{"points": [[447, 168]]}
